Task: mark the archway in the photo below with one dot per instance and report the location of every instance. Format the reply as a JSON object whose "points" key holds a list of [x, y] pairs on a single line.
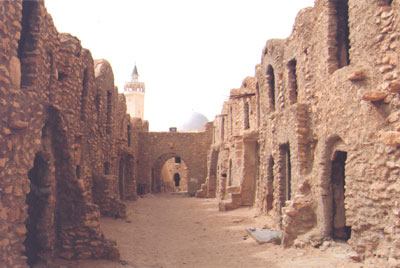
{"points": [[38, 208], [174, 175], [339, 228], [333, 186], [163, 174]]}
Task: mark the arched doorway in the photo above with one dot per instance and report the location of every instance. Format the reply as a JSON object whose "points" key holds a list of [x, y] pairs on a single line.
{"points": [[333, 185], [339, 228], [38, 210], [169, 174]]}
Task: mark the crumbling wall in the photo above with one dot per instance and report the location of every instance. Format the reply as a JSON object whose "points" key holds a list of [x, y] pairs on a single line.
{"points": [[56, 134], [233, 157], [157, 147], [328, 136]]}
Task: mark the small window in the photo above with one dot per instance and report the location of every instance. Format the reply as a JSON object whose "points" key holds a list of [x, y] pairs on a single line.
{"points": [[107, 168], [339, 45], [177, 160], [292, 81], [246, 115], [109, 112], [78, 171], [129, 135], [271, 86], [62, 76], [84, 94], [222, 128]]}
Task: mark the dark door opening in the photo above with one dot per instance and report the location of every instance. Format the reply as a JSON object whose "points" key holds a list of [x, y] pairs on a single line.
{"points": [[121, 179], [37, 206], [339, 228], [270, 185], [285, 174], [177, 179]]}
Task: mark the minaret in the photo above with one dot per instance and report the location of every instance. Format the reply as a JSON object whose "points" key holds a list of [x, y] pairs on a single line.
{"points": [[134, 94]]}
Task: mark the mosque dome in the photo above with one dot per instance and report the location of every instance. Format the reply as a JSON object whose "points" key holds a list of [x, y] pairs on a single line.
{"points": [[195, 122]]}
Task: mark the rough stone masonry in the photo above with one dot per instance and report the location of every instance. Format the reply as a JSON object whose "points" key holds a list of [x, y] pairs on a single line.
{"points": [[311, 140]]}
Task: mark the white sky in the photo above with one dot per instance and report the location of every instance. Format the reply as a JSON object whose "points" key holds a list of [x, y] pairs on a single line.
{"points": [[190, 53]]}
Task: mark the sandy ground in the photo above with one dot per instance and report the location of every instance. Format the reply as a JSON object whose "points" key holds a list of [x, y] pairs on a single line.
{"points": [[170, 231]]}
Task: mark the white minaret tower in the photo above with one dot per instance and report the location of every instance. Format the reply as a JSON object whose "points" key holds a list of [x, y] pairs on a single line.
{"points": [[134, 94]]}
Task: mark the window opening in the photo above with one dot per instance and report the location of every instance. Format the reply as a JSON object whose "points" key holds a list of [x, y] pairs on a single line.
{"points": [[292, 80], [107, 168], [109, 111], [271, 85], [84, 95], [246, 115]]}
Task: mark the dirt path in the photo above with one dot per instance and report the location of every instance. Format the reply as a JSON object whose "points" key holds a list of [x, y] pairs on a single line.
{"points": [[169, 231]]}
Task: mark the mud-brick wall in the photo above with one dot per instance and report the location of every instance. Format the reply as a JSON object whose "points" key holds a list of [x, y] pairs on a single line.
{"points": [[54, 141], [340, 107], [322, 93], [157, 147]]}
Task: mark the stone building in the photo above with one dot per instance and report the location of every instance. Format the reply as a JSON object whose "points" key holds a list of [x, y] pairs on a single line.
{"points": [[156, 148], [313, 139], [69, 152], [67, 146]]}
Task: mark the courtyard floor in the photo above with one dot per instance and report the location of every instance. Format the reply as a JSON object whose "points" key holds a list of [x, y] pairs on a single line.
{"points": [[172, 231]]}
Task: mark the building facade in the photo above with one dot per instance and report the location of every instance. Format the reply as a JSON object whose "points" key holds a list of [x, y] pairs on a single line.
{"points": [[313, 138]]}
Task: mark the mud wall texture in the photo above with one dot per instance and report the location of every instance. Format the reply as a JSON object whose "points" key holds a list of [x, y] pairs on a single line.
{"points": [[325, 138], [67, 147], [157, 147]]}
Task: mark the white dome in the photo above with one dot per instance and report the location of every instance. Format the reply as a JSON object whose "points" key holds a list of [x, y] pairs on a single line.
{"points": [[195, 122]]}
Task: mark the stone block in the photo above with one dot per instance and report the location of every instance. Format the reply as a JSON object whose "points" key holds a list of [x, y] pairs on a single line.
{"points": [[356, 76], [390, 138], [15, 71], [18, 125], [374, 96], [394, 86]]}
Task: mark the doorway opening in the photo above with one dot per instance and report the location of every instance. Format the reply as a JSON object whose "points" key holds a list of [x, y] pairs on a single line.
{"points": [[270, 185], [177, 179], [285, 175], [339, 229], [250, 172], [37, 201], [173, 175], [121, 179]]}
